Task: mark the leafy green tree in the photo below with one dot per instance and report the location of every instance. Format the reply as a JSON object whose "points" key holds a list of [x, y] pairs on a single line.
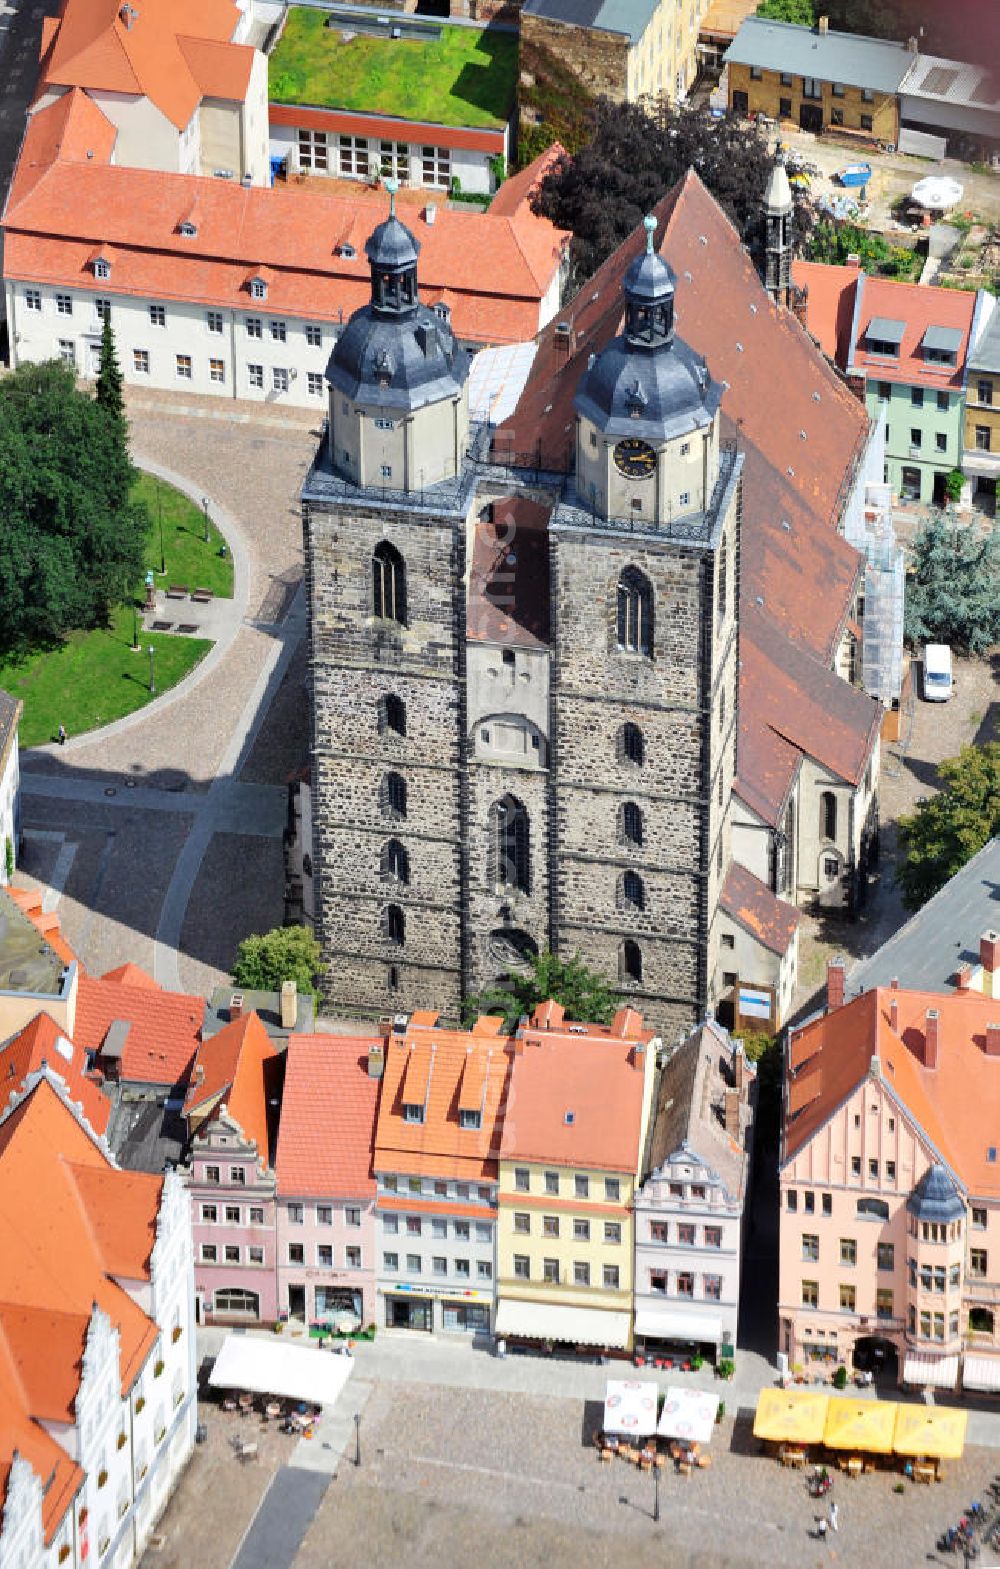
{"points": [[953, 591], [72, 542], [109, 376], [634, 155], [583, 993], [948, 829], [801, 11], [289, 953]]}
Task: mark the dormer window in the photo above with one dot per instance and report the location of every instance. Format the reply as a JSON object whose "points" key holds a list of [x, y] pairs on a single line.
{"points": [[258, 289], [940, 345], [188, 229], [412, 1112], [347, 252], [883, 337], [470, 1119], [102, 268]]}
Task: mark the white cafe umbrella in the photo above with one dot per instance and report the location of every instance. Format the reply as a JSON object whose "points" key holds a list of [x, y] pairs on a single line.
{"points": [[690, 1414], [630, 1407], [938, 192]]}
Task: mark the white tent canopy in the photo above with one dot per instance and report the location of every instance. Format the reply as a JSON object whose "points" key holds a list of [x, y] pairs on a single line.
{"points": [[272, 1367], [630, 1407], [690, 1414]]}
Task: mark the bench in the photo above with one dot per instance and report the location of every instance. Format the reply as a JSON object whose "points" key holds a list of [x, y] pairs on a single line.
{"points": [[202, 596], [177, 591]]}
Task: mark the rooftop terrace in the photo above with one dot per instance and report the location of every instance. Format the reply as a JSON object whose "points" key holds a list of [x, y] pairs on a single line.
{"points": [[446, 75], [27, 963]]}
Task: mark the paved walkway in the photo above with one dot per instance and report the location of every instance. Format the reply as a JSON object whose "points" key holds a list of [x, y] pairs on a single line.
{"points": [[285, 1515]]}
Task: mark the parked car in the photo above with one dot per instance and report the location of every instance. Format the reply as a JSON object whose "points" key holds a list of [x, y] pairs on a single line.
{"points": [[939, 683]]}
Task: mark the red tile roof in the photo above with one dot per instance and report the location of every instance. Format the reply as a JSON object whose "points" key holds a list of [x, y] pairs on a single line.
{"points": [[829, 306], [232, 1069], [327, 1131], [793, 705], [496, 270], [769, 919], [69, 1223], [576, 1095], [437, 1059], [67, 129], [40, 1042], [919, 308], [164, 1027], [955, 1104], [29, 902], [146, 53], [520, 188], [509, 575], [345, 122]]}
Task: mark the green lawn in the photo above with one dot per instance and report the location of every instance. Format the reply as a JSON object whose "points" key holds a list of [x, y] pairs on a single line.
{"points": [[188, 559], [94, 677], [464, 77]]}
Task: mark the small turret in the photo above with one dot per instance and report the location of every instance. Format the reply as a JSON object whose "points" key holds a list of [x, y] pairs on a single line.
{"points": [[778, 209]]}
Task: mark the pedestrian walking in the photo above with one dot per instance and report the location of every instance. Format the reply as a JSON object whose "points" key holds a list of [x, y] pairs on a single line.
{"points": [[834, 1515], [62, 735]]}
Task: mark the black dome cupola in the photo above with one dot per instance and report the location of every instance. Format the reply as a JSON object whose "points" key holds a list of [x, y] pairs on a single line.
{"points": [[392, 251], [649, 297]]}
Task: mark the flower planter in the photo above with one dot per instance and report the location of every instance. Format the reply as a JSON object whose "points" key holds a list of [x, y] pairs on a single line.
{"points": [[176, 1333], [122, 1440], [102, 1478], [158, 1369]]}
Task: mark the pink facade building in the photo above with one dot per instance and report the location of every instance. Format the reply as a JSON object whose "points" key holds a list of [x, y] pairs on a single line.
{"points": [[325, 1216], [890, 1187], [231, 1111]]}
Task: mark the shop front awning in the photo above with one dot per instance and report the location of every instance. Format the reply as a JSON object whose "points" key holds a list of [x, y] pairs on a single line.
{"points": [[791, 1416], [691, 1328], [630, 1407], [572, 1325], [934, 1431], [981, 1373], [931, 1372], [269, 1366], [863, 1426]]}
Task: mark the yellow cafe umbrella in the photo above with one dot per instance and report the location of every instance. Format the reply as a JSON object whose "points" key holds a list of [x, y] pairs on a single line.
{"points": [[936, 1431], [791, 1416], [861, 1425]]}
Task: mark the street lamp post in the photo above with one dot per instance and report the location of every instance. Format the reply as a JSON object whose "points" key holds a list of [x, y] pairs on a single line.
{"points": [[656, 1494], [152, 672], [204, 507], [357, 1438], [135, 627]]}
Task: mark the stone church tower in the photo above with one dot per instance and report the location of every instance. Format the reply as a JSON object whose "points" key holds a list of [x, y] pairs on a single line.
{"points": [[495, 773]]}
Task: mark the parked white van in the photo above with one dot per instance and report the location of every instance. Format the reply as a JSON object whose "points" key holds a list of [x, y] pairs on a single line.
{"points": [[938, 679]]}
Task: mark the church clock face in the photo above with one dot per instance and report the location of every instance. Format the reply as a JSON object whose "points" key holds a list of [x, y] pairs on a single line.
{"points": [[634, 458]]}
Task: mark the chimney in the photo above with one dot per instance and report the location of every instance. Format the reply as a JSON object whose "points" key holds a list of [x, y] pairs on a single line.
{"points": [[430, 212], [235, 1006], [894, 983], [894, 1015], [989, 952], [993, 1040], [289, 1004], [853, 260], [932, 1038], [732, 1114], [836, 976], [963, 977], [376, 1059], [639, 1055], [913, 44], [822, 25]]}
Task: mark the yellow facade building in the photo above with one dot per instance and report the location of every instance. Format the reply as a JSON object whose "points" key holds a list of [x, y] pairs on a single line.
{"points": [[574, 1134], [981, 457]]}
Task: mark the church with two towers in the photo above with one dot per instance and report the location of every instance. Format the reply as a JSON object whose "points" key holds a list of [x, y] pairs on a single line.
{"points": [[523, 681]]}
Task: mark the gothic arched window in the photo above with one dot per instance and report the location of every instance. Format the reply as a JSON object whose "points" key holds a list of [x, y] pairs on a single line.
{"points": [[635, 613], [828, 815], [395, 861], [394, 795], [392, 714], [631, 820], [388, 583], [631, 747], [510, 844], [394, 924], [633, 892], [630, 961]]}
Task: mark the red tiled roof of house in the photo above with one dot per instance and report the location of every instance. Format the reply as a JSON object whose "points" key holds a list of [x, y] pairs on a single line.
{"points": [[69, 129], [69, 1223], [46, 922], [509, 575], [521, 187], [497, 270], [138, 50], [231, 1069], [918, 307], [130, 974], [772, 921], [955, 1103], [164, 1027], [345, 122], [327, 1131], [830, 305], [439, 1146], [43, 1041], [576, 1093], [794, 705]]}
